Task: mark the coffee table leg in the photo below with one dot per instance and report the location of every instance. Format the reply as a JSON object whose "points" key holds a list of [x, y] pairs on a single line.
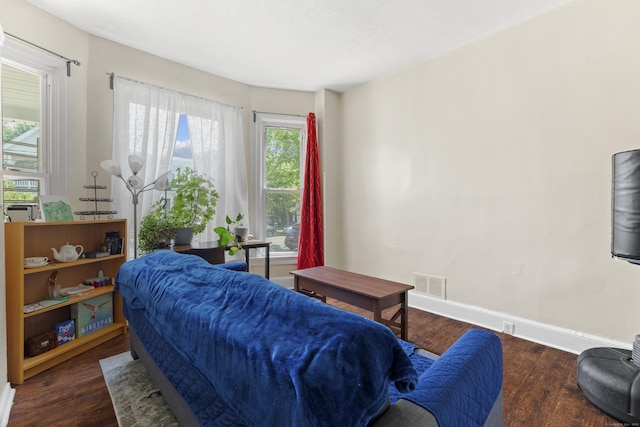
{"points": [[404, 318], [377, 313]]}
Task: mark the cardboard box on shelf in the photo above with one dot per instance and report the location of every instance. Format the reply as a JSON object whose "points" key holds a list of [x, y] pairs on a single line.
{"points": [[92, 314], [66, 331]]}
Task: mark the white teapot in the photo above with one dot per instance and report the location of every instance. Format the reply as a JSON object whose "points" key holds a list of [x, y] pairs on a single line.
{"points": [[68, 253]]}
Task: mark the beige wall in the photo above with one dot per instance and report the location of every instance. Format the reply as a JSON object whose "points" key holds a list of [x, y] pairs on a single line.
{"points": [[490, 165], [329, 121]]}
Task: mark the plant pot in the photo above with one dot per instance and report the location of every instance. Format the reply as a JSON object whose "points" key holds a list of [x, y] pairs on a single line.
{"points": [[183, 236], [162, 244], [241, 233]]}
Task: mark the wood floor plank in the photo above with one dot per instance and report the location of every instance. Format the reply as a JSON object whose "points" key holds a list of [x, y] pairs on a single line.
{"points": [[541, 389], [94, 412], [539, 382], [71, 394], [572, 415], [516, 373]]}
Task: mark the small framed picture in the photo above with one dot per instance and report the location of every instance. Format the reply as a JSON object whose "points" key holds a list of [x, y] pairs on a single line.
{"points": [[55, 209]]}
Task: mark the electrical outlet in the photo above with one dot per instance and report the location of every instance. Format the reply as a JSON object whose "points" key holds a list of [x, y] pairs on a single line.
{"points": [[508, 327]]}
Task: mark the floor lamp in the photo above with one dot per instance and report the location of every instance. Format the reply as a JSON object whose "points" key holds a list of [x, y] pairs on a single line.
{"points": [[135, 185]]}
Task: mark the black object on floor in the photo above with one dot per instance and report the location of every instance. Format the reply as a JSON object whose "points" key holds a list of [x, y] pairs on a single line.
{"points": [[611, 382]]}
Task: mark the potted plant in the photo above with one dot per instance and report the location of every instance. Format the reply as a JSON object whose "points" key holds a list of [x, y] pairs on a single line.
{"points": [[194, 203], [192, 208], [155, 232], [226, 237]]}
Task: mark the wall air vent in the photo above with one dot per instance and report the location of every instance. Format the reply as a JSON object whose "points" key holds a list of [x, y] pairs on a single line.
{"points": [[433, 286]]}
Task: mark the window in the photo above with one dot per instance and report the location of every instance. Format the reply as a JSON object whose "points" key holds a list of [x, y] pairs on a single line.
{"points": [[182, 156], [279, 162], [33, 89]]}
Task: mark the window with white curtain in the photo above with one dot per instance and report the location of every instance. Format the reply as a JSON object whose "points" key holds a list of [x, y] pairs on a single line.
{"points": [[34, 113], [147, 122]]}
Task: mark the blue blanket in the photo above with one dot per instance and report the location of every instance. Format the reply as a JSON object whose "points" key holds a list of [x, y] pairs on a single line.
{"points": [[276, 357], [461, 387], [420, 364]]}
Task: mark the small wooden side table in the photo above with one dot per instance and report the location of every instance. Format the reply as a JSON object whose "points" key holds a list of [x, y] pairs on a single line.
{"points": [[210, 251], [365, 292]]}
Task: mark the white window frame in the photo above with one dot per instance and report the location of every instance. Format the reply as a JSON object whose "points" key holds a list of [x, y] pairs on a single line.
{"points": [[261, 122], [53, 113]]}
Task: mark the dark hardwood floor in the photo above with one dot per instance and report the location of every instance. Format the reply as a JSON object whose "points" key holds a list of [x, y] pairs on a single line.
{"points": [[72, 394], [539, 383]]}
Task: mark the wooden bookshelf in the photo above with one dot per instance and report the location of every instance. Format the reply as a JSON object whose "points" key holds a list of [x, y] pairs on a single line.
{"points": [[28, 285]]}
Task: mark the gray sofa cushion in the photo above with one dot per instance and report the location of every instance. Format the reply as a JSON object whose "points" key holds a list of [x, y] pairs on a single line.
{"points": [[404, 413]]}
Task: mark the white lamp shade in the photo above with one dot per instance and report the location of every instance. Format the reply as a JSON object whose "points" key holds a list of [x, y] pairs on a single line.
{"points": [[111, 166], [162, 182], [135, 163], [135, 182]]}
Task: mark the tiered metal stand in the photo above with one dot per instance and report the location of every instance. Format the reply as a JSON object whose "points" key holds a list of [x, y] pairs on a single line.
{"points": [[96, 213]]}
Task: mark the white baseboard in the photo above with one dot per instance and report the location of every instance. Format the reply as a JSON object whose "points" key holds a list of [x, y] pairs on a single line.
{"points": [[563, 339], [6, 401], [286, 281]]}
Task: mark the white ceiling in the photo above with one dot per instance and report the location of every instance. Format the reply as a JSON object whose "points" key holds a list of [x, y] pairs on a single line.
{"points": [[295, 44]]}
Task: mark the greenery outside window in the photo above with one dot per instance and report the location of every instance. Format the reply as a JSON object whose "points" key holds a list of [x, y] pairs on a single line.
{"points": [[279, 162], [33, 89]]}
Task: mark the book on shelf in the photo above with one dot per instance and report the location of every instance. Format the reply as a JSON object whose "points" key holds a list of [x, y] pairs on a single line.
{"points": [[45, 303], [97, 254]]}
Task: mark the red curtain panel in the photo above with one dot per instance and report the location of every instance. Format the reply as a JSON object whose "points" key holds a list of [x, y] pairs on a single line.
{"points": [[311, 244]]}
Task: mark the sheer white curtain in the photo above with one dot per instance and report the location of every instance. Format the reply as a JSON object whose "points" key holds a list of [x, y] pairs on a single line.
{"points": [[145, 124], [217, 143]]}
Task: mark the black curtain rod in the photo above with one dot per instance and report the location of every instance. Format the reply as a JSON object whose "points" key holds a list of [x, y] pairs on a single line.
{"points": [[69, 61]]}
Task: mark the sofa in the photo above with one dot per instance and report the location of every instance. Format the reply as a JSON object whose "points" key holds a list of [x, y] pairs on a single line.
{"points": [[230, 348]]}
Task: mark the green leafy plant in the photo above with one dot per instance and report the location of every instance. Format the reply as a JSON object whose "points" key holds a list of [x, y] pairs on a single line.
{"points": [[155, 232], [195, 201], [226, 237], [193, 206]]}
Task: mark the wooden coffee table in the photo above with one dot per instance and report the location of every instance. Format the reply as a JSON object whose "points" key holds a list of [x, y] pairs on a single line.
{"points": [[362, 291]]}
